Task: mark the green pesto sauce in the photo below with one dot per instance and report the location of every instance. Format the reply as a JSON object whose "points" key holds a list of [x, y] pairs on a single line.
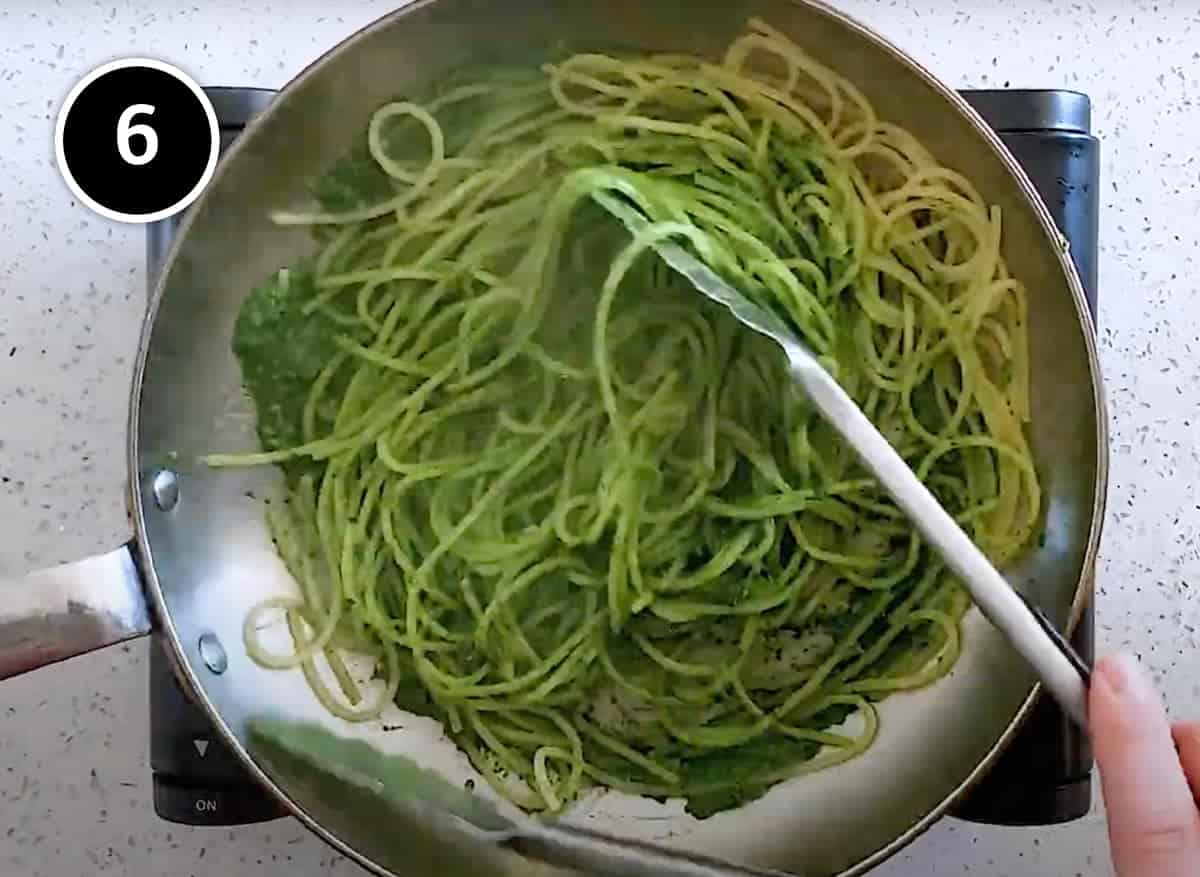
{"points": [[281, 352]]}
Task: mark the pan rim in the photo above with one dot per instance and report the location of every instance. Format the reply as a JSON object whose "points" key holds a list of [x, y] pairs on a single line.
{"points": [[1033, 200]]}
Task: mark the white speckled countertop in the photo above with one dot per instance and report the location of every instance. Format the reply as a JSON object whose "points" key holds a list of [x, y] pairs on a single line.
{"points": [[74, 778]]}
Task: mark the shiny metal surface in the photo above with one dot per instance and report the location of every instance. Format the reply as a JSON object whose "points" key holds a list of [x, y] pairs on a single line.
{"points": [[601, 855], [1063, 673], [70, 609], [210, 559], [165, 488], [1034, 109], [212, 653], [234, 107]]}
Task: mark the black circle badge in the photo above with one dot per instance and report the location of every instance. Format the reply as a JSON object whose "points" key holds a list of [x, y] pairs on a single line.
{"points": [[137, 140]]}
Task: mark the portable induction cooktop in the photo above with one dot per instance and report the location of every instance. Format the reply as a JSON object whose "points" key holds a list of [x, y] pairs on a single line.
{"points": [[1043, 778]]}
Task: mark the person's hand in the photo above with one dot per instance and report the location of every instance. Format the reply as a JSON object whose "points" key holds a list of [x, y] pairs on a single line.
{"points": [[1149, 771]]}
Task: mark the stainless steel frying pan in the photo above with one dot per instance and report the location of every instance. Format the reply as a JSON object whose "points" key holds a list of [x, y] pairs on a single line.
{"points": [[202, 557]]}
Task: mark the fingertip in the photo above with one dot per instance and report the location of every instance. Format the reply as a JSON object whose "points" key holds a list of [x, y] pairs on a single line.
{"points": [[1123, 701], [1152, 817], [1123, 674], [1101, 693]]}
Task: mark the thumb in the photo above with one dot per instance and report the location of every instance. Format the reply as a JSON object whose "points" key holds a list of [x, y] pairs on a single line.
{"points": [[1153, 824]]}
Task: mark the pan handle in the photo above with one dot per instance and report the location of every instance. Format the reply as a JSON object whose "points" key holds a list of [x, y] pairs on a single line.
{"points": [[57, 613]]}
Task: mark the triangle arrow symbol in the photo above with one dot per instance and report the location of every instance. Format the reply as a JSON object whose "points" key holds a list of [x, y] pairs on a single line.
{"points": [[201, 746]]}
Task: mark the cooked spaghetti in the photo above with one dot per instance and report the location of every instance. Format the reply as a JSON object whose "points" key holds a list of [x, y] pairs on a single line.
{"points": [[575, 511]]}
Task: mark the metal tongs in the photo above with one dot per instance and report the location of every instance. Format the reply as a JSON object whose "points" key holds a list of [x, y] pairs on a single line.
{"points": [[1063, 672]]}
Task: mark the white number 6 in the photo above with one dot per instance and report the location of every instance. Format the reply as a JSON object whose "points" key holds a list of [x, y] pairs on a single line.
{"points": [[126, 131]]}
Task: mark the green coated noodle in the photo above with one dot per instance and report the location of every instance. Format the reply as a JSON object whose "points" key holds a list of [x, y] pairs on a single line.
{"points": [[533, 476]]}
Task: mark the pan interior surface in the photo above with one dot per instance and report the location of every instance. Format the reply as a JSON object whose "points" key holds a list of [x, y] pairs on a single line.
{"points": [[210, 558]]}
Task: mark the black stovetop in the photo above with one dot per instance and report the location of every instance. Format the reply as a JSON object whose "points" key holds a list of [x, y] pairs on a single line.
{"points": [[1043, 777]]}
